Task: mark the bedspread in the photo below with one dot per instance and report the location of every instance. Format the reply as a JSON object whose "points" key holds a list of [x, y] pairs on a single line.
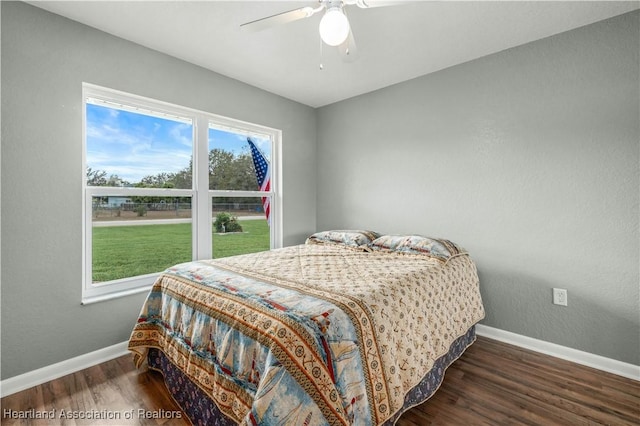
{"points": [[309, 334]]}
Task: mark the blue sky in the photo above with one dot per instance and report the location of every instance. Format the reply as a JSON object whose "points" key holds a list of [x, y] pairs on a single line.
{"points": [[132, 145]]}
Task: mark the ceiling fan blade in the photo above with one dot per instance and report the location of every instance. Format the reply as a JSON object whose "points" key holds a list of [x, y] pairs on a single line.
{"points": [[365, 4], [348, 50], [278, 19]]}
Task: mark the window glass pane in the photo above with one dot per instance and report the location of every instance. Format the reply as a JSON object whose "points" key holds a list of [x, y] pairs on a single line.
{"points": [[134, 236], [127, 148], [239, 226], [231, 160]]}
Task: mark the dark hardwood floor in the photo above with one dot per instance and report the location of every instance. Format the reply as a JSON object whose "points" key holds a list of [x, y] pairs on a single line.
{"points": [[491, 384]]}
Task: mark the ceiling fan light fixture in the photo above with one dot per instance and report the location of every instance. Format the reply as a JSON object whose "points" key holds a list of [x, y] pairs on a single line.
{"points": [[334, 27]]}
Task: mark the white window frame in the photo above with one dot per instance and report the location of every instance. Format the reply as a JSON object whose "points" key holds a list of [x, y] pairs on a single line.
{"points": [[201, 196]]}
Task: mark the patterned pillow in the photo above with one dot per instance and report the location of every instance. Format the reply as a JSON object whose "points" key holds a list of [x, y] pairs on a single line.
{"points": [[416, 244], [387, 242], [351, 238]]}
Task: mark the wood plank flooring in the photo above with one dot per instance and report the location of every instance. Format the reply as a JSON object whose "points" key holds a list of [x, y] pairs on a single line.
{"points": [[491, 384]]}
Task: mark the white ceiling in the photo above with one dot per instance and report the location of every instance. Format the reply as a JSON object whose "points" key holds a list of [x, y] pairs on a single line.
{"points": [[395, 43]]}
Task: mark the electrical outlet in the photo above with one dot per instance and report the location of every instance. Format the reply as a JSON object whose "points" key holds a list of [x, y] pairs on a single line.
{"points": [[560, 296]]}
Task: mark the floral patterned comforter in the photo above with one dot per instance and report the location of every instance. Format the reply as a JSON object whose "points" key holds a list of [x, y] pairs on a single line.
{"points": [[309, 334]]}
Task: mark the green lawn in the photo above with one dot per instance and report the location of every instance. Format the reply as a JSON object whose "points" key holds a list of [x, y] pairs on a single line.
{"points": [[126, 251]]}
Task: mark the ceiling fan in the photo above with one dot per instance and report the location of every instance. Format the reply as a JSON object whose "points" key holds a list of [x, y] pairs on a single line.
{"points": [[334, 28]]}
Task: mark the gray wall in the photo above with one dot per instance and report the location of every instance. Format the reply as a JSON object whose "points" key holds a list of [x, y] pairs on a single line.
{"points": [[45, 59], [529, 158]]}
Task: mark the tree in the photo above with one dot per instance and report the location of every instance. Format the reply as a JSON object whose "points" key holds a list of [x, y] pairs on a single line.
{"points": [[114, 180], [184, 178], [220, 169], [96, 177], [226, 171], [161, 180]]}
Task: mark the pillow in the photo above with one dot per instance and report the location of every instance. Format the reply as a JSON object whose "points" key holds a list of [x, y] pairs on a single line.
{"points": [[351, 238], [387, 242], [416, 244]]}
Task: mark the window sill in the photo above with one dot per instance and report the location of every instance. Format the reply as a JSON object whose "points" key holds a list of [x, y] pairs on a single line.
{"points": [[89, 300]]}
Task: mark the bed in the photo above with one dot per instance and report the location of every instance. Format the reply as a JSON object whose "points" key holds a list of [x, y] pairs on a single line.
{"points": [[350, 328]]}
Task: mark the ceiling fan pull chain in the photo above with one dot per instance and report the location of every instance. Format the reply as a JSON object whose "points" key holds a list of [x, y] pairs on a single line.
{"points": [[321, 66]]}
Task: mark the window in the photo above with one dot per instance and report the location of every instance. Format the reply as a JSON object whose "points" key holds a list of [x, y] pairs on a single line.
{"points": [[234, 157], [166, 184]]}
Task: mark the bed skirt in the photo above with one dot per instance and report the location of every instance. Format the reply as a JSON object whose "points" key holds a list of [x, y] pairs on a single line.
{"points": [[203, 411]]}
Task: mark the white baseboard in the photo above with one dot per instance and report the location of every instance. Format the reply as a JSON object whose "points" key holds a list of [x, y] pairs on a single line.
{"points": [[54, 371], [51, 372], [609, 365]]}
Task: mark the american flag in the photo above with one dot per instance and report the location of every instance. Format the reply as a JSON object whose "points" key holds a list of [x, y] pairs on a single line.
{"points": [[263, 176]]}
